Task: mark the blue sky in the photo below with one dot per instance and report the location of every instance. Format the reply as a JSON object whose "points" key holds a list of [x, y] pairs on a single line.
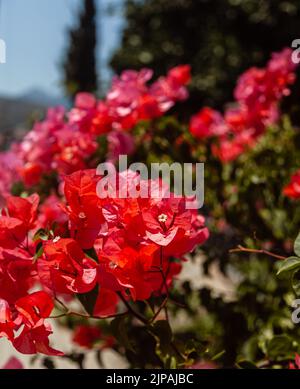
{"points": [[35, 36]]}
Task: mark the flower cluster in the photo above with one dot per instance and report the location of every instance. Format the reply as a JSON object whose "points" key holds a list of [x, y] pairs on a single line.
{"points": [[109, 251], [296, 365], [257, 94], [67, 141], [9, 165], [121, 248], [46, 243], [292, 190], [13, 364], [89, 336]]}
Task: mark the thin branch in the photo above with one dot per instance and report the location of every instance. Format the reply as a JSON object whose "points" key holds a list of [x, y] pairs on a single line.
{"points": [[72, 313], [177, 351], [68, 312], [161, 307], [61, 303], [132, 310], [164, 285], [175, 302], [167, 314], [58, 316], [256, 251]]}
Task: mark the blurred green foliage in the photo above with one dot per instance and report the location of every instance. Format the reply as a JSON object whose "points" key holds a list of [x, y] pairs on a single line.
{"points": [[219, 38]]}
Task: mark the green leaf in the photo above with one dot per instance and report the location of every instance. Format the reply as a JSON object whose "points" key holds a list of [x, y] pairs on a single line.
{"points": [[296, 282], [162, 330], [88, 300], [195, 346], [244, 364], [289, 264], [120, 332], [91, 253], [297, 245], [166, 347], [54, 226], [38, 252], [218, 356], [41, 234], [280, 347], [173, 363]]}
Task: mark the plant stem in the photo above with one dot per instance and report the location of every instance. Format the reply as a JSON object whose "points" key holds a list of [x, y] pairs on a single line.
{"points": [[72, 313], [132, 310], [256, 251], [161, 307]]}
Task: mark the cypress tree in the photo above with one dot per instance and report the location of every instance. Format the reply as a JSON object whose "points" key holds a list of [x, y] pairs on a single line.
{"points": [[80, 62]]}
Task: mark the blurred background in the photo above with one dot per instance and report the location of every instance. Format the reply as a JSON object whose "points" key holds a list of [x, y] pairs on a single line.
{"points": [[55, 48]]}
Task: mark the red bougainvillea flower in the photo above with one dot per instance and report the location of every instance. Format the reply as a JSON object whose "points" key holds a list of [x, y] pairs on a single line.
{"points": [[107, 300], [24, 323], [84, 208], [12, 232], [206, 123], [137, 245], [64, 268], [181, 75], [17, 274], [126, 268], [51, 212], [119, 143], [13, 364], [167, 90], [295, 365], [84, 111], [130, 99], [35, 340], [292, 190], [258, 93], [6, 323], [9, 165], [24, 209], [88, 336], [124, 95], [32, 310], [31, 173], [131, 257], [142, 235], [228, 150], [268, 84], [102, 122], [17, 219], [74, 149], [65, 142], [39, 145], [170, 225]]}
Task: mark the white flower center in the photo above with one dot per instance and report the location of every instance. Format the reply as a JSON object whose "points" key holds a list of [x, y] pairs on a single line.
{"points": [[162, 218], [112, 265]]}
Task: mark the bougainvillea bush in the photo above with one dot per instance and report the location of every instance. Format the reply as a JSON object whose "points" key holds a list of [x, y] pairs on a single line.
{"points": [[112, 269]]}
